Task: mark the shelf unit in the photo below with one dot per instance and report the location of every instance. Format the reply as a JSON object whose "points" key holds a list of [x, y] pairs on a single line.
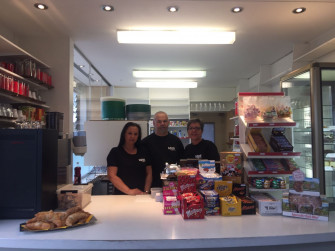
{"points": [[9, 52], [249, 153]]}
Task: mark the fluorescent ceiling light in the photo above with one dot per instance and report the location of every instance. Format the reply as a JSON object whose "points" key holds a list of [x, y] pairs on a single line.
{"points": [[175, 37], [167, 84], [169, 74]]}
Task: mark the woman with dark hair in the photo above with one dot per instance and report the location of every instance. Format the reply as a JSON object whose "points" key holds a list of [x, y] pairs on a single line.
{"points": [[128, 164]]}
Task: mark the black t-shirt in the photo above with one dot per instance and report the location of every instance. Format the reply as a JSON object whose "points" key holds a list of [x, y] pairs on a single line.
{"points": [[162, 149], [204, 150], [131, 167]]}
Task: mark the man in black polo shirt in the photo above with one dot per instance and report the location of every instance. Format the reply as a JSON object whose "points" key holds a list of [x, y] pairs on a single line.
{"points": [[162, 146], [199, 147]]}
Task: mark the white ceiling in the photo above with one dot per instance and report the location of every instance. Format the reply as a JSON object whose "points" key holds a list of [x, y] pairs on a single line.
{"points": [[266, 31]]}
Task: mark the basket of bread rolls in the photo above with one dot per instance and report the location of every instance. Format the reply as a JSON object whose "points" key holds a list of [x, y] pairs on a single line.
{"points": [[50, 220]]}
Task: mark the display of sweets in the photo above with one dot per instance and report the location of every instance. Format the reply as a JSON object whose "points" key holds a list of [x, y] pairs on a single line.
{"points": [[284, 111], [267, 183], [251, 112], [269, 113]]}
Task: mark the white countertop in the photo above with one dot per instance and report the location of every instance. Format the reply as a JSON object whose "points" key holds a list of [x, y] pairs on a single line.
{"points": [[137, 222]]}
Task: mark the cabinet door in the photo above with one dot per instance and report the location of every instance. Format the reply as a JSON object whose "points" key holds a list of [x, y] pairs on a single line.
{"points": [[299, 88]]}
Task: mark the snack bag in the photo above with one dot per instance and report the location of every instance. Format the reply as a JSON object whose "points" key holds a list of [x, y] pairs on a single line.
{"points": [[250, 108], [284, 107]]}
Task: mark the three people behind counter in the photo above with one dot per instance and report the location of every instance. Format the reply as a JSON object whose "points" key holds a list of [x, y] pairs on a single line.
{"points": [[163, 147], [128, 164]]}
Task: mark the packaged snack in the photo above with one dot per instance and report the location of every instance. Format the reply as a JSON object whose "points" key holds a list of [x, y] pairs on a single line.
{"points": [[206, 181], [248, 205], [250, 107], [171, 205], [170, 188], [239, 190], [192, 206], [267, 108], [230, 206], [223, 187], [206, 166], [284, 107], [231, 163]]}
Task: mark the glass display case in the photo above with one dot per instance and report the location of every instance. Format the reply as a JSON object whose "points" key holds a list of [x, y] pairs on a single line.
{"points": [[312, 92]]}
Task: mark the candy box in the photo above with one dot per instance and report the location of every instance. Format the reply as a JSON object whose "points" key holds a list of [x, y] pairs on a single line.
{"points": [[239, 190], [209, 211], [171, 205], [257, 141], [186, 183], [223, 187], [192, 206], [170, 188], [248, 205], [280, 144], [206, 181], [231, 163], [211, 198], [266, 204], [230, 206], [206, 166]]}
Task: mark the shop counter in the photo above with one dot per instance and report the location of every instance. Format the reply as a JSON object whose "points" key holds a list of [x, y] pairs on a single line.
{"points": [[137, 222]]}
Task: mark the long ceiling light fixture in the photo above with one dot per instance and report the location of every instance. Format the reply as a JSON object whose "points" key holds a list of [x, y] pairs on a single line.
{"points": [[175, 37], [166, 84], [169, 74]]}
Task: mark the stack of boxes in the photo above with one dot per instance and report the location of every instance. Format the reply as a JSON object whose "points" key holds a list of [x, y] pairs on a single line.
{"points": [[199, 191]]}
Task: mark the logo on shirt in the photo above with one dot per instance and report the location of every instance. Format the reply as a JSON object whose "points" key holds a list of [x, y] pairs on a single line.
{"points": [[171, 148], [141, 160], [199, 156]]}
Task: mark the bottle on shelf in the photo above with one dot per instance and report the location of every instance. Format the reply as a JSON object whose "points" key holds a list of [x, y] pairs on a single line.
{"points": [[179, 134], [77, 175]]}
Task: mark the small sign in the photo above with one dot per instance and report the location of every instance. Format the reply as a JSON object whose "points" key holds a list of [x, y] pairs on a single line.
{"points": [[298, 175]]}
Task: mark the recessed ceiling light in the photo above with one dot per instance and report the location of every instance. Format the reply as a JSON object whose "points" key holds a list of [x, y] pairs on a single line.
{"points": [[299, 10], [107, 8], [237, 9], [172, 8], [41, 6]]}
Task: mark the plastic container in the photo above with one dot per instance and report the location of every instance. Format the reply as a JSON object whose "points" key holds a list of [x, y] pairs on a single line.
{"points": [[112, 108], [74, 195], [138, 112]]}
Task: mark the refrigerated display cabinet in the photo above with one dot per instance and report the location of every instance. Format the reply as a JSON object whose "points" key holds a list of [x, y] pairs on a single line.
{"points": [[312, 92]]}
